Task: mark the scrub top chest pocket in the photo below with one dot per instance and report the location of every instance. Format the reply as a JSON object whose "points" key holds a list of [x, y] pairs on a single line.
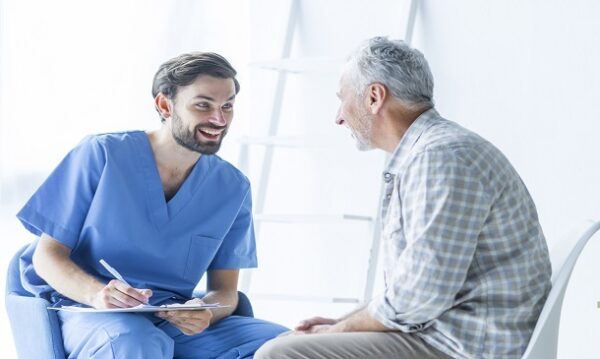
{"points": [[202, 250]]}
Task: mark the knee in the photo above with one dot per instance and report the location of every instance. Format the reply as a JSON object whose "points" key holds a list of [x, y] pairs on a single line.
{"points": [[278, 348], [139, 341], [142, 345], [266, 330]]}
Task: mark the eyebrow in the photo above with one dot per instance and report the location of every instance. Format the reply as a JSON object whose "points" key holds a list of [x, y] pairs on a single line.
{"points": [[212, 99]]}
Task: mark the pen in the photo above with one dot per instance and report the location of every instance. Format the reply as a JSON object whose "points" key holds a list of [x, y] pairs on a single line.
{"points": [[113, 271]]}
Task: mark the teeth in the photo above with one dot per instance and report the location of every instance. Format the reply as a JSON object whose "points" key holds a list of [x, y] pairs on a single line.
{"points": [[211, 131]]}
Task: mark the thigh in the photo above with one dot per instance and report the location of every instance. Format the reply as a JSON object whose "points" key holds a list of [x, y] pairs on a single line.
{"points": [[231, 337], [113, 335], [372, 345]]}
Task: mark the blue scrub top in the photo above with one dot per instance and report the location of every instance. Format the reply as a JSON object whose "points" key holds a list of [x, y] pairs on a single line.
{"points": [[106, 200]]}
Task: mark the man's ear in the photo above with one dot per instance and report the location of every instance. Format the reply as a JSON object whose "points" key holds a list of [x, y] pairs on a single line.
{"points": [[162, 105], [376, 95]]}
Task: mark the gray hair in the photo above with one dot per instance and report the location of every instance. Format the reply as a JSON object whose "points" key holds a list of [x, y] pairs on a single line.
{"points": [[400, 68]]}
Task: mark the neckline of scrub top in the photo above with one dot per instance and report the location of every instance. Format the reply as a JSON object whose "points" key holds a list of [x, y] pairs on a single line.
{"points": [[161, 210]]}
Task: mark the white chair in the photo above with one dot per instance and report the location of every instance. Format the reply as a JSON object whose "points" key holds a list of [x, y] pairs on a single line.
{"points": [[563, 256]]}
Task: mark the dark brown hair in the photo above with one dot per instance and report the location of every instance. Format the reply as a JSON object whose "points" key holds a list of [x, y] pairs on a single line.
{"points": [[184, 69]]}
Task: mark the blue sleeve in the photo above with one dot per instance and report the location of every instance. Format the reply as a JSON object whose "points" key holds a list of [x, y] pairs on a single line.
{"points": [[239, 246], [59, 207]]}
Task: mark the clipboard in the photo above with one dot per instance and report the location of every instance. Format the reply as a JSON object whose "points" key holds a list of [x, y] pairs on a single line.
{"points": [[142, 308]]}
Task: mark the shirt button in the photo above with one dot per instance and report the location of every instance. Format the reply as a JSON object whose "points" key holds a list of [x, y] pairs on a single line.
{"points": [[387, 177], [388, 196]]}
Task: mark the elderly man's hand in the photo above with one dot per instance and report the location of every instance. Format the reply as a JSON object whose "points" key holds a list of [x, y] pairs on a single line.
{"points": [[190, 322], [313, 325], [308, 325]]}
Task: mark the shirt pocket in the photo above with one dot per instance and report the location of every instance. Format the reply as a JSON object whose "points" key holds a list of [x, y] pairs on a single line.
{"points": [[201, 253]]}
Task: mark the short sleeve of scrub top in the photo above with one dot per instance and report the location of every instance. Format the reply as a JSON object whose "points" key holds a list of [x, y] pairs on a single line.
{"points": [[238, 249], [60, 205]]}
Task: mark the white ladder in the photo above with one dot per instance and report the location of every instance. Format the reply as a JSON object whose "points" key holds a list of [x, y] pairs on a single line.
{"points": [[284, 66]]}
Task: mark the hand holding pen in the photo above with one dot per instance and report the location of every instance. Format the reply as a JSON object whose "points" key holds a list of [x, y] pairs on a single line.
{"points": [[118, 293]]}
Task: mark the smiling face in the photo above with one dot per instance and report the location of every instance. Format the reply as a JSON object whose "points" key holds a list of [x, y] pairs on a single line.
{"points": [[202, 112], [354, 114]]}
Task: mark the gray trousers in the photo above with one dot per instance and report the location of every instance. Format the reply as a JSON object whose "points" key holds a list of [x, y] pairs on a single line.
{"points": [[372, 345]]}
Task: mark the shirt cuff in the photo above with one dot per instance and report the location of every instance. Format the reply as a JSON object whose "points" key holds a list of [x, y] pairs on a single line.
{"points": [[382, 311]]}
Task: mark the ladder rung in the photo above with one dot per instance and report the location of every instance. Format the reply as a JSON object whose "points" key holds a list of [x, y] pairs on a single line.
{"points": [[302, 218], [280, 141], [299, 65], [303, 298]]}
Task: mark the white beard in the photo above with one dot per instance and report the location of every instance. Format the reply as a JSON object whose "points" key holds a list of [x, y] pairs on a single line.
{"points": [[362, 144], [362, 135]]}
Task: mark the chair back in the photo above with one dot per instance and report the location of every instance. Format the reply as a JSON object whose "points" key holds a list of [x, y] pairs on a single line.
{"points": [[13, 278], [36, 330], [563, 256]]}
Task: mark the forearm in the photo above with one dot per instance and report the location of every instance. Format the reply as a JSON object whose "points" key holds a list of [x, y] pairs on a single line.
{"points": [[352, 313], [52, 263], [223, 297]]}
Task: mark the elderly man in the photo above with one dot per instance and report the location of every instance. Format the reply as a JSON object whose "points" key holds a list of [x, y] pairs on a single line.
{"points": [[465, 261], [163, 210]]}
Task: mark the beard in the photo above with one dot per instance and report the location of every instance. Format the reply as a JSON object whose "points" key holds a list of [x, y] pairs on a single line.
{"points": [[362, 132], [188, 139]]}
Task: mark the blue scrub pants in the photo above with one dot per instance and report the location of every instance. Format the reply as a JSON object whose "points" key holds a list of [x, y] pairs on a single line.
{"points": [[137, 335]]}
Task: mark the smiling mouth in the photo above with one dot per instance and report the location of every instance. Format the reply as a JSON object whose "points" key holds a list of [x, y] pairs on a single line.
{"points": [[211, 133]]}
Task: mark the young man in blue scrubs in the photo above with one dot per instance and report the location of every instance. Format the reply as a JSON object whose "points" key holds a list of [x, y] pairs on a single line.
{"points": [[162, 209]]}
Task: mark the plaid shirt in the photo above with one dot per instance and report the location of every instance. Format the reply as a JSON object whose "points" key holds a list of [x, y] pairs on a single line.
{"points": [[465, 260]]}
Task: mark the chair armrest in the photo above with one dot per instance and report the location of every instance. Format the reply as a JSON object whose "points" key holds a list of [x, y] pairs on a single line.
{"points": [[244, 307]]}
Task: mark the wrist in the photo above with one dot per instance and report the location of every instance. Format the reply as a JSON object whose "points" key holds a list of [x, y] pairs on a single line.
{"points": [[339, 327], [91, 294]]}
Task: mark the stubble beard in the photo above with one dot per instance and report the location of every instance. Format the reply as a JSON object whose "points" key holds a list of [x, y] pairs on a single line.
{"points": [[188, 139]]}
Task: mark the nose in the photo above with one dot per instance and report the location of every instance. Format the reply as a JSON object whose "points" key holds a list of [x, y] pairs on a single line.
{"points": [[218, 119], [338, 117]]}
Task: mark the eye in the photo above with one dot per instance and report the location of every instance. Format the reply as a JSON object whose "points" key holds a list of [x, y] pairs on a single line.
{"points": [[203, 105], [227, 107]]}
